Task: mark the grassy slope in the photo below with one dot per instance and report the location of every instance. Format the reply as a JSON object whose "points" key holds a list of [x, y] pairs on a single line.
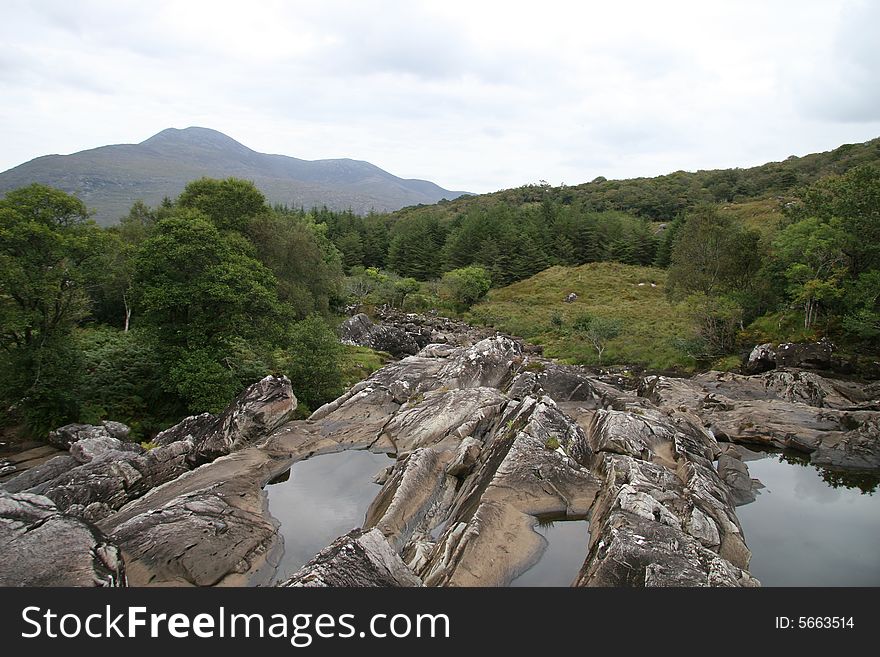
{"points": [[764, 216], [650, 322]]}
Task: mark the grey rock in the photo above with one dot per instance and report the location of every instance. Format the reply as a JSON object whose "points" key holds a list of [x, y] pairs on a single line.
{"points": [[41, 473], [256, 412], [358, 559], [466, 457], [88, 449], [780, 409], [761, 359], [117, 430], [735, 474], [817, 355], [42, 547], [64, 437], [360, 330]]}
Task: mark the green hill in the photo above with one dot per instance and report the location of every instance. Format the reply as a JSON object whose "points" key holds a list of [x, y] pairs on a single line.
{"points": [[110, 179], [661, 198], [535, 309]]}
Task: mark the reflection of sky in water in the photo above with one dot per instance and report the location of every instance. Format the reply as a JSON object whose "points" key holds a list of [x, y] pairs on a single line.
{"points": [[803, 532], [325, 497], [562, 560]]}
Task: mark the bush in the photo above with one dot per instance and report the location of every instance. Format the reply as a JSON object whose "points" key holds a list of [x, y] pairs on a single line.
{"points": [[313, 362], [464, 287], [597, 330]]}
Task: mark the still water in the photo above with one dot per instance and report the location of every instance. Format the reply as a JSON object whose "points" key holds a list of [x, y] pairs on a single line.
{"points": [[812, 527], [565, 554], [325, 497]]}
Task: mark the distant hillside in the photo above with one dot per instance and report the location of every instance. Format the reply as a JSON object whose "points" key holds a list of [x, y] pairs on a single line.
{"points": [[535, 309], [663, 197], [110, 178]]}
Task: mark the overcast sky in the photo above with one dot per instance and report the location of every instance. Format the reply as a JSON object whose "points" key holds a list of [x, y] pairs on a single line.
{"points": [[473, 95]]}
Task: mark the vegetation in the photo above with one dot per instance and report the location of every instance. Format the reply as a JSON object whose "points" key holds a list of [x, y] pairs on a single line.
{"points": [[178, 307], [173, 311], [649, 323]]}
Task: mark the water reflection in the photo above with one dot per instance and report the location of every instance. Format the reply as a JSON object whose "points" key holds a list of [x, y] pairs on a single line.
{"points": [[565, 554], [811, 528], [865, 481], [325, 497]]}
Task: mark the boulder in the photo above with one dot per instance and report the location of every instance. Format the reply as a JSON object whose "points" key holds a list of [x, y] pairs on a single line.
{"points": [[64, 437], [357, 559], [361, 331], [811, 355], [255, 413], [761, 359], [43, 547]]}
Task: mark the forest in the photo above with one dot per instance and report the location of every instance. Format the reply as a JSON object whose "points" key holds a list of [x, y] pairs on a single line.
{"points": [[176, 308]]}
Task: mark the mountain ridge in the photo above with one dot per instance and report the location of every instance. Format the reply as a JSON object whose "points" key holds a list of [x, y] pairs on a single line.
{"points": [[110, 178]]}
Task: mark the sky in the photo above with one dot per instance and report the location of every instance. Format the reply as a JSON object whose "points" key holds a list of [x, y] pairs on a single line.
{"points": [[473, 95]]}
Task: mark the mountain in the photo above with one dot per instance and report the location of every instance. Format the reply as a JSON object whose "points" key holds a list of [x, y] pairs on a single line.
{"points": [[110, 178]]}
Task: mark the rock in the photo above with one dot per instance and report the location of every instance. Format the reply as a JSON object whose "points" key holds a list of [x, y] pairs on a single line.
{"points": [[42, 547], [117, 430], [564, 383], [781, 409], [441, 415], [571, 298], [360, 330], [255, 413], [490, 363], [87, 449], [465, 457], [107, 471], [358, 559], [814, 355], [383, 474], [761, 359], [200, 538], [488, 538], [41, 473], [735, 474], [65, 436], [857, 449], [648, 528]]}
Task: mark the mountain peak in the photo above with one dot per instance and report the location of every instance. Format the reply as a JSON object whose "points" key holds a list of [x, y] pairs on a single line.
{"points": [[194, 136], [110, 178]]}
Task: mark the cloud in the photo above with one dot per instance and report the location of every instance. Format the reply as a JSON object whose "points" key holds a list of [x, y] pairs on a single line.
{"points": [[844, 84], [475, 96]]}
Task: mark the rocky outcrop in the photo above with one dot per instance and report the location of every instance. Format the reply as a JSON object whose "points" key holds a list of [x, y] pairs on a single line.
{"points": [[43, 547], [761, 359], [834, 421], [488, 439], [404, 334], [107, 471], [816, 355], [361, 559], [65, 436], [359, 330], [256, 412]]}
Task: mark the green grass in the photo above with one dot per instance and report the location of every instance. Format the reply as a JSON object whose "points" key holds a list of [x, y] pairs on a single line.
{"points": [[763, 216], [358, 363], [532, 309], [779, 327]]}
